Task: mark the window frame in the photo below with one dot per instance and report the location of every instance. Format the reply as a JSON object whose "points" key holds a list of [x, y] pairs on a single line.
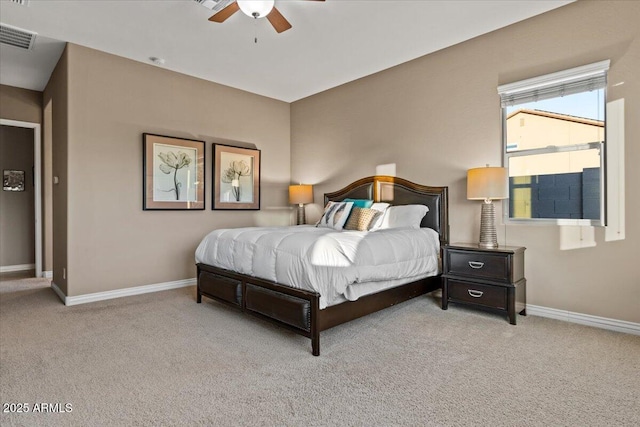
{"points": [[547, 81]]}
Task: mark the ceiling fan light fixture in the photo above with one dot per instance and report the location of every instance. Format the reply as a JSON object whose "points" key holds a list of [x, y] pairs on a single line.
{"points": [[256, 8]]}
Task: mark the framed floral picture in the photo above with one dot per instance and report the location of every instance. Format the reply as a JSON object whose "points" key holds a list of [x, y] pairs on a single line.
{"points": [[236, 178], [173, 176]]}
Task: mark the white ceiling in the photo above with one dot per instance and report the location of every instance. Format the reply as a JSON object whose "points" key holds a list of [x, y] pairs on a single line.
{"points": [[331, 42]]}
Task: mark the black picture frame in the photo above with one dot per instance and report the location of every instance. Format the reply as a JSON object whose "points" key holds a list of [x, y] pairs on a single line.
{"points": [[236, 178], [173, 167]]}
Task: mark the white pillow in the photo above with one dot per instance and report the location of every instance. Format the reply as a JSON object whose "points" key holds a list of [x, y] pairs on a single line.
{"points": [[404, 216], [377, 221], [335, 215]]}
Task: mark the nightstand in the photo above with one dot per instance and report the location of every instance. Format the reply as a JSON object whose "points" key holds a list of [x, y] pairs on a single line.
{"points": [[487, 278]]}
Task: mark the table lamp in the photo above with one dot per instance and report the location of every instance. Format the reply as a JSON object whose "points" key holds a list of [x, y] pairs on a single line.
{"points": [[300, 195], [488, 184]]}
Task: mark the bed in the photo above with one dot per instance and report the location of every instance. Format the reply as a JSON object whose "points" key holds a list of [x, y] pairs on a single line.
{"points": [[299, 309]]}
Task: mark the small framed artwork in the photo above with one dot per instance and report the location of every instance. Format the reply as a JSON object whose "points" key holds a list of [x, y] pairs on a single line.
{"points": [[236, 178], [12, 180], [173, 177]]}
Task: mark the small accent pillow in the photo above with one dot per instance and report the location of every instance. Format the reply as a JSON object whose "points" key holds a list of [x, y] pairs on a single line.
{"points": [[404, 216], [335, 215], [360, 203], [360, 219], [377, 221]]}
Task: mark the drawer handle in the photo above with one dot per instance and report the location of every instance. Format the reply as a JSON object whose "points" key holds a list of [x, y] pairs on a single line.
{"points": [[476, 264], [474, 293]]}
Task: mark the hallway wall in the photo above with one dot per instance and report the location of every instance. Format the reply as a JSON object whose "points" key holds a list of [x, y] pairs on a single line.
{"points": [[17, 224]]}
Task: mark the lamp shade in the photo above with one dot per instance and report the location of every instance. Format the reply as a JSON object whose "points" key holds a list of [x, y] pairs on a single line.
{"points": [[488, 183], [300, 194]]}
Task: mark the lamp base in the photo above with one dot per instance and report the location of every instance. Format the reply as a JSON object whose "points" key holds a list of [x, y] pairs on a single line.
{"points": [[301, 218], [488, 235]]}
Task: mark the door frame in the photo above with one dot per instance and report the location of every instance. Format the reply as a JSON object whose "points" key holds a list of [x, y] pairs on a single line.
{"points": [[37, 184]]}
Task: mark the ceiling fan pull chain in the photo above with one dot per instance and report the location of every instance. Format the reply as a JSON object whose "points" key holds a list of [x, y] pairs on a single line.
{"points": [[255, 29]]}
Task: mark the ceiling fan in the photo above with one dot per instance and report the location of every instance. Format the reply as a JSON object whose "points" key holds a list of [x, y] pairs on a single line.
{"points": [[255, 9]]}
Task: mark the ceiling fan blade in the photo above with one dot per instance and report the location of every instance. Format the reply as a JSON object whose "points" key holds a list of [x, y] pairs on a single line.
{"points": [[225, 13], [278, 21]]}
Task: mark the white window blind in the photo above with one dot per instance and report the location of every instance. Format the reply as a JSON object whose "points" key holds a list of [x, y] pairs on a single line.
{"points": [[575, 80]]}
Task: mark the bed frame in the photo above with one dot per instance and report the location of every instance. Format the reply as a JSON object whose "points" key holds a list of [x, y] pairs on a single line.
{"points": [[299, 310]]}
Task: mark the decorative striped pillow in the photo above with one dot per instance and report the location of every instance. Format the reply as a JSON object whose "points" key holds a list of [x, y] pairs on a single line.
{"points": [[360, 219], [335, 215]]}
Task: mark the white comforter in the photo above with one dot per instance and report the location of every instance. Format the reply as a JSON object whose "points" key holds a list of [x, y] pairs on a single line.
{"points": [[322, 259]]}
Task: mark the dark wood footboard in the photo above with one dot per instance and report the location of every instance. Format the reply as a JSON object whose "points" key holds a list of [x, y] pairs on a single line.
{"points": [[296, 309]]}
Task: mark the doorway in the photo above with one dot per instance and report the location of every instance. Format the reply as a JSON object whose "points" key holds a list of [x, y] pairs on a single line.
{"points": [[37, 189]]}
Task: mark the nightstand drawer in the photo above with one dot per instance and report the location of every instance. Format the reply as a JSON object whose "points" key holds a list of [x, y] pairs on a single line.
{"points": [[486, 295], [493, 266]]}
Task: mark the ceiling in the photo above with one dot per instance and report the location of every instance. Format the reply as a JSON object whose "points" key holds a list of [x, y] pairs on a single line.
{"points": [[331, 42]]}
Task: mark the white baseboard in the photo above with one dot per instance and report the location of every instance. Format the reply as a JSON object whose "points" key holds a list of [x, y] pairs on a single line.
{"points": [[58, 292], [533, 310], [47, 274], [137, 290], [585, 319], [18, 267]]}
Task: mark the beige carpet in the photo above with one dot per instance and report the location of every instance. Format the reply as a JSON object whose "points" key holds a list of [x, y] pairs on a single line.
{"points": [[161, 359]]}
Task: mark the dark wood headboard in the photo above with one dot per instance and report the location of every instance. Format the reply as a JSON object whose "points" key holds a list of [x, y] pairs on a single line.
{"points": [[398, 191]]}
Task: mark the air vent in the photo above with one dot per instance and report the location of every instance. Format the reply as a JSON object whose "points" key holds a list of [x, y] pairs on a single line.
{"points": [[215, 5], [17, 37]]}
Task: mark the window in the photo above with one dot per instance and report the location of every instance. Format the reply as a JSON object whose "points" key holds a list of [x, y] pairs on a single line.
{"points": [[554, 146]]}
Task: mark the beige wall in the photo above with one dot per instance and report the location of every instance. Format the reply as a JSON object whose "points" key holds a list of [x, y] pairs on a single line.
{"points": [[56, 131], [112, 243], [20, 104], [26, 106], [17, 224], [439, 115]]}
